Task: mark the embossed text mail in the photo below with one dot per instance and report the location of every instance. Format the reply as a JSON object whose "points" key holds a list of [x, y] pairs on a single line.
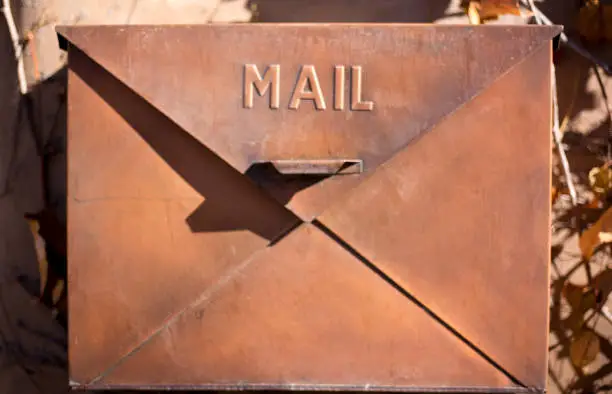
{"points": [[307, 87]]}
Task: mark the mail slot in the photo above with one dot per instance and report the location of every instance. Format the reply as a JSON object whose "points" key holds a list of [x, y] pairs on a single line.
{"points": [[303, 206]]}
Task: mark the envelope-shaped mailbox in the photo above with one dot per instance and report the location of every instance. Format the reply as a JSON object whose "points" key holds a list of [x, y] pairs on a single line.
{"points": [[359, 207]]}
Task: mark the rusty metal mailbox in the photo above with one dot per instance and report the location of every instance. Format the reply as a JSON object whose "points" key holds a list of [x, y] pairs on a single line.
{"points": [[301, 206]]}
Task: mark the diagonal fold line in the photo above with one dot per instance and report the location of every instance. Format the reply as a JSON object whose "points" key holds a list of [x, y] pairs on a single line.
{"points": [[415, 300], [288, 228], [151, 107], [184, 155], [431, 128], [387, 278], [203, 297]]}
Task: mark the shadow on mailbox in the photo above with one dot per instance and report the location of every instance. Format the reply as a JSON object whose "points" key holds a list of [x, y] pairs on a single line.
{"points": [[232, 202], [282, 187]]}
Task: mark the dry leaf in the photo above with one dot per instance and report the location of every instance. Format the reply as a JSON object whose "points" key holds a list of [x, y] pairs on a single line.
{"points": [[473, 15], [43, 264], [554, 193], [495, 8], [590, 239], [41, 254], [483, 10], [584, 348], [600, 179]]}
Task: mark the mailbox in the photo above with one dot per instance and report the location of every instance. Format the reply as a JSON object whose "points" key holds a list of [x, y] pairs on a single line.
{"points": [[309, 206]]}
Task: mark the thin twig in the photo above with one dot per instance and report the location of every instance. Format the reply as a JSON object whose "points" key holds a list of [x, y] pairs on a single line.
{"points": [[540, 19], [17, 47], [543, 19], [537, 16], [559, 140]]}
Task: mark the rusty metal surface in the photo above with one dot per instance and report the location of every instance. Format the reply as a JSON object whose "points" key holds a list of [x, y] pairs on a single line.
{"points": [[196, 152], [143, 242], [306, 311], [482, 191], [414, 76]]}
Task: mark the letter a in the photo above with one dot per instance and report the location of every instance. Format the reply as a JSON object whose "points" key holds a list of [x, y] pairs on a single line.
{"points": [[308, 76]]}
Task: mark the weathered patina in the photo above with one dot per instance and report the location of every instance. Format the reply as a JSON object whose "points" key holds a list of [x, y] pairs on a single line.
{"points": [[298, 206]]}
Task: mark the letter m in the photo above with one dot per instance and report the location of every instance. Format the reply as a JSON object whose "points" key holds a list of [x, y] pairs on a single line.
{"points": [[253, 79]]}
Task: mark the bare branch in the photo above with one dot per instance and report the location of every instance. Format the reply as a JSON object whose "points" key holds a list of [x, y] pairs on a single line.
{"points": [[18, 49], [537, 16], [543, 19], [558, 141]]}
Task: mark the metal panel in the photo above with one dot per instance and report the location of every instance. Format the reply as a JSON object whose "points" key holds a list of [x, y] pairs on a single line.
{"points": [[306, 312], [461, 217], [143, 241], [398, 142], [413, 77]]}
